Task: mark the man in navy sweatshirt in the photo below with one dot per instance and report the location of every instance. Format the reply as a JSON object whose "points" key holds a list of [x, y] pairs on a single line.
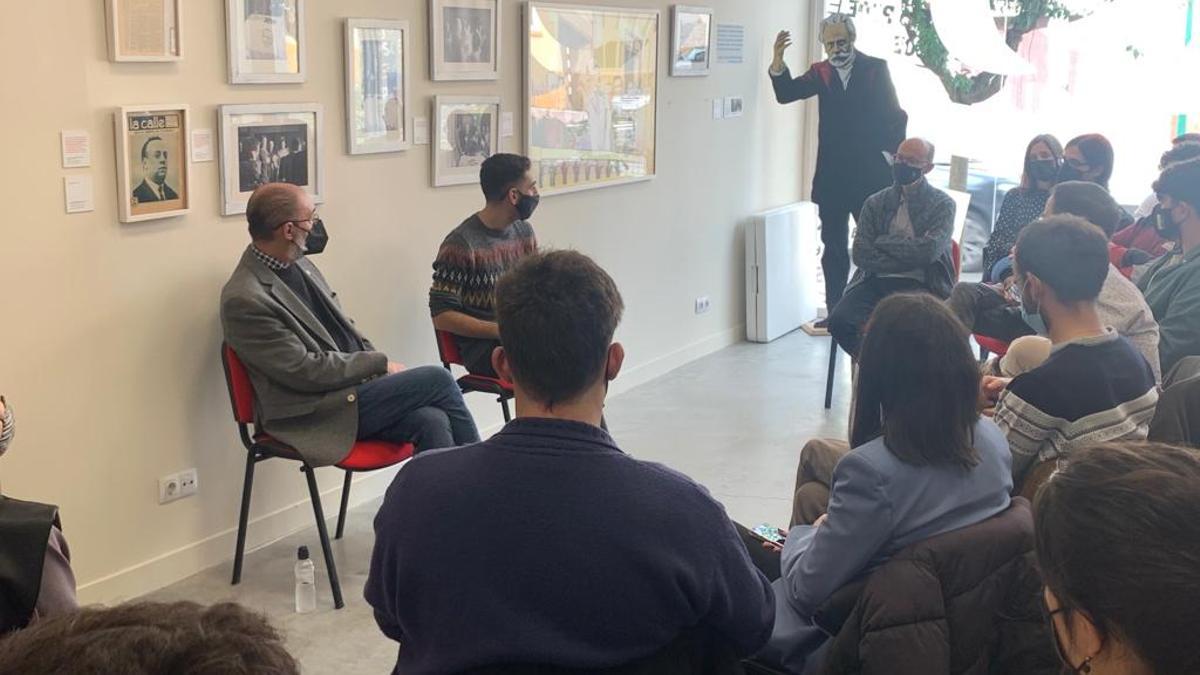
{"points": [[546, 544]]}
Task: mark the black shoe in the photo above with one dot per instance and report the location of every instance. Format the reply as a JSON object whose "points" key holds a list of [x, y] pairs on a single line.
{"points": [[821, 323]]}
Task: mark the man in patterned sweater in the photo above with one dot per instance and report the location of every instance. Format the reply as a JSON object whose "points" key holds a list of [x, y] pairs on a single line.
{"points": [[477, 252]]}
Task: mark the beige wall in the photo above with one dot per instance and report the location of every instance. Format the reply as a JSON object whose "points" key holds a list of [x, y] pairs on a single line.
{"points": [[108, 347]]}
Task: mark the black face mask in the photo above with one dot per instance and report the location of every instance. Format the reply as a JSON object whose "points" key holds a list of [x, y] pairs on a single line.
{"points": [[526, 205], [905, 174], [1068, 172], [1164, 223], [318, 238], [1044, 170]]}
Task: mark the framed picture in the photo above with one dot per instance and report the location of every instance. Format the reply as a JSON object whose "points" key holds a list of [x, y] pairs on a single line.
{"points": [[266, 41], [691, 40], [272, 143], [464, 39], [377, 73], [153, 172], [144, 30], [734, 106], [466, 131], [591, 95]]}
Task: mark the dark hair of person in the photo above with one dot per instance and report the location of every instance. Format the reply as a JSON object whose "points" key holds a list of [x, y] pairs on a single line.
{"points": [[146, 638], [1088, 201], [1180, 152], [918, 383], [557, 313], [270, 205], [1117, 532], [1069, 254], [147, 144], [1192, 137], [1096, 149], [500, 173], [1056, 149], [1182, 182]]}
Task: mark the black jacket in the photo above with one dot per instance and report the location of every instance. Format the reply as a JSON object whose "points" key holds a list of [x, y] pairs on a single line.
{"points": [[857, 125], [24, 531]]}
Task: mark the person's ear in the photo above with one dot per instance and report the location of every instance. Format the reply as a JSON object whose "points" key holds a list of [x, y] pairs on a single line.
{"points": [[500, 364], [616, 358]]}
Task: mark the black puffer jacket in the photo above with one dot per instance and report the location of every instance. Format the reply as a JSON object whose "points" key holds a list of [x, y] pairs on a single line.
{"points": [[966, 602]]}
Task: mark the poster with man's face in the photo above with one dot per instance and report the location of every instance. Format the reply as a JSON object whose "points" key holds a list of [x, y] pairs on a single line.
{"points": [[156, 152]]}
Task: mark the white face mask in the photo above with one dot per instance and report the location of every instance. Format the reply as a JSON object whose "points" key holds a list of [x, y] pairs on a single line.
{"points": [[6, 435]]}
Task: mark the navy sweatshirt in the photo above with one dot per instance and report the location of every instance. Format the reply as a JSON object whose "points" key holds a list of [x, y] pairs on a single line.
{"points": [[546, 544]]}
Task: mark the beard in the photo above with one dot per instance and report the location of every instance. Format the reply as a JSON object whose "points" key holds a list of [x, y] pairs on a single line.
{"points": [[842, 59]]}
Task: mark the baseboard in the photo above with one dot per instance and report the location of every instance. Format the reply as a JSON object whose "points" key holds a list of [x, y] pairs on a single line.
{"points": [[655, 368]]}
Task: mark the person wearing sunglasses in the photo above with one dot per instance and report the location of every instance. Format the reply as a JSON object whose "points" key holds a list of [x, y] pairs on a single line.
{"points": [[320, 384]]}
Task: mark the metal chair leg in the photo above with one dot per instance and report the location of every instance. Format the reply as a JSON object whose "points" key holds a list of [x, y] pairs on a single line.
{"points": [[833, 350], [504, 406], [243, 519], [341, 526], [334, 584]]}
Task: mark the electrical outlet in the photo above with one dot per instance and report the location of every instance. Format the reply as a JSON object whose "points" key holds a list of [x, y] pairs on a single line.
{"points": [[169, 489], [703, 304], [189, 483]]}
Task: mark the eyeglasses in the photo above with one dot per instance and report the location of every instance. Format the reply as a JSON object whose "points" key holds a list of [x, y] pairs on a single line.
{"points": [[1078, 163], [312, 223]]}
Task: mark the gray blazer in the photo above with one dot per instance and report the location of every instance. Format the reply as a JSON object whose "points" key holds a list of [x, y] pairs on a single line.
{"points": [[305, 387]]}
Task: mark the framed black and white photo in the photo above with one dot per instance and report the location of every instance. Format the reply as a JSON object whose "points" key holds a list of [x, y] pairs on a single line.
{"points": [[271, 143], [144, 30], [266, 41], [153, 172], [466, 131], [377, 78], [464, 39], [691, 40]]}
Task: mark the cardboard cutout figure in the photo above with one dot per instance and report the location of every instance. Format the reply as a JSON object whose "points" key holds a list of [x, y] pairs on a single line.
{"points": [[860, 121]]}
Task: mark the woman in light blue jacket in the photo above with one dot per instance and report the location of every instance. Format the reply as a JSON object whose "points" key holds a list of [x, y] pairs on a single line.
{"points": [[923, 463]]}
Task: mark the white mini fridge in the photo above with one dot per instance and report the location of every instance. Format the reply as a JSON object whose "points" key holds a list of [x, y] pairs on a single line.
{"points": [[783, 249]]}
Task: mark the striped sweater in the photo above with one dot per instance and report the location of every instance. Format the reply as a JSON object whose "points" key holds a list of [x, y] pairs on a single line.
{"points": [[1089, 391]]}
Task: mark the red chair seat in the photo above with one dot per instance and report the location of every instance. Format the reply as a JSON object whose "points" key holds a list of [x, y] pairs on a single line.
{"points": [[490, 385], [997, 347], [364, 456]]}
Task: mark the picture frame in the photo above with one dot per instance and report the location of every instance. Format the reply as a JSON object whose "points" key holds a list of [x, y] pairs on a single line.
{"points": [[466, 131], [266, 41], [266, 143], [153, 161], [591, 95], [377, 86], [144, 31], [464, 39], [734, 106], [691, 41]]}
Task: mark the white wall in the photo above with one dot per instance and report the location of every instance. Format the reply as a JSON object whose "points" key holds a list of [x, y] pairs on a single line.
{"points": [[108, 347]]}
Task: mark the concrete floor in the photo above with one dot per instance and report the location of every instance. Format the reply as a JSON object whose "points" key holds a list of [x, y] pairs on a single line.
{"points": [[734, 421]]}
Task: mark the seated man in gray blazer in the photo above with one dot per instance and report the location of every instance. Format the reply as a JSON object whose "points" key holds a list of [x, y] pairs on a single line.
{"points": [[320, 384]]}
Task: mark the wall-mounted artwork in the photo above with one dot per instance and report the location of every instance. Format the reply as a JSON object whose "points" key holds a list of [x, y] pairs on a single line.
{"points": [[591, 83], [691, 40], [273, 143], [144, 30], [377, 74], [266, 41], [466, 131], [464, 39], [153, 172]]}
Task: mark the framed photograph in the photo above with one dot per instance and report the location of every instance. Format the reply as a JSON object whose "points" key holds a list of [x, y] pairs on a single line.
{"points": [[466, 131], [734, 106], [153, 172], [144, 30], [591, 95], [266, 40], [272, 143], [377, 73], [464, 39], [691, 40]]}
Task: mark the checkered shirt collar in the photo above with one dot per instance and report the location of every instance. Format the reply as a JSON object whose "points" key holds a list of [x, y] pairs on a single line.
{"points": [[271, 263]]}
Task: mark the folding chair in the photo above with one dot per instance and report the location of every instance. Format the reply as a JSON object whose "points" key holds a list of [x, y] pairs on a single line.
{"points": [[448, 353]]}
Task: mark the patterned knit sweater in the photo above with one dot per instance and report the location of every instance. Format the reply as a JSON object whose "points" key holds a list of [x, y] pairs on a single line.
{"points": [[468, 265]]}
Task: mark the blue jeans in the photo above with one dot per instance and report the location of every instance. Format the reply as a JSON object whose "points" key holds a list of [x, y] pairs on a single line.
{"points": [[422, 406]]}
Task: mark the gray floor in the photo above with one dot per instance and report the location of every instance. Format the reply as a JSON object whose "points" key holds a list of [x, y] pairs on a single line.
{"points": [[734, 421]]}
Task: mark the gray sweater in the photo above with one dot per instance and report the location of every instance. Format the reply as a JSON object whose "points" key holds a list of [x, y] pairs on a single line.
{"points": [[1122, 306]]}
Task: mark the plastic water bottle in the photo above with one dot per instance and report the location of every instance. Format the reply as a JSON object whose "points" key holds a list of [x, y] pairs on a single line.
{"points": [[306, 582]]}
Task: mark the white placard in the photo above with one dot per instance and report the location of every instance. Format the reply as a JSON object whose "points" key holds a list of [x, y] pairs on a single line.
{"points": [[203, 145], [731, 43], [76, 149], [734, 106], [421, 131], [78, 191], [718, 108], [506, 125]]}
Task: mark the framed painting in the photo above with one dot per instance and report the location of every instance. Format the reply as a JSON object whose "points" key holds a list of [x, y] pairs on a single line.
{"points": [[377, 74], [464, 39], [266, 41], [691, 41], [591, 95], [272, 143], [153, 170], [466, 131], [144, 30]]}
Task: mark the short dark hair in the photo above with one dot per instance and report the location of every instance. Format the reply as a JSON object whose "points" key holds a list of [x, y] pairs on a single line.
{"points": [[1117, 531], [557, 313], [147, 144], [1180, 152], [1098, 151], [1067, 253], [500, 172], [269, 206], [146, 638], [1088, 201], [1181, 182], [918, 383]]}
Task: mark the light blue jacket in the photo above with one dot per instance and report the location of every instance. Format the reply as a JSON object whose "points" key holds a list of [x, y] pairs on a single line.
{"points": [[877, 506]]}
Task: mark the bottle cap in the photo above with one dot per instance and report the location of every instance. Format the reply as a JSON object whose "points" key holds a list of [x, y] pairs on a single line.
{"points": [[302, 553]]}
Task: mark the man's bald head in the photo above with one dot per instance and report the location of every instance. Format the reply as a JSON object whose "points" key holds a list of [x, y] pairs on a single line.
{"points": [[916, 151], [274, 204]]}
